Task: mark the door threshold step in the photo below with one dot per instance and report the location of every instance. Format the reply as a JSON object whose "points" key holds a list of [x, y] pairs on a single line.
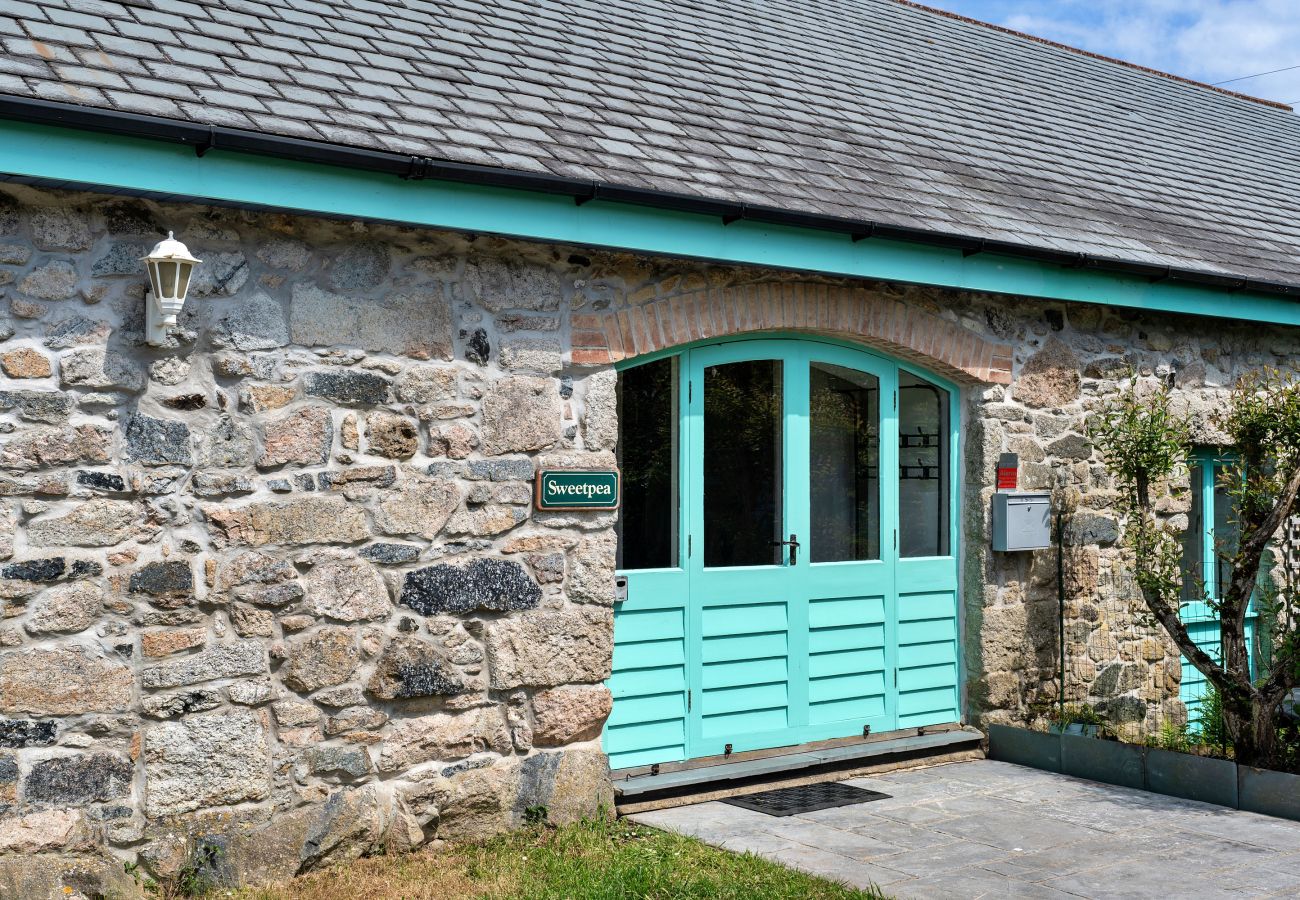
{"points": [[709, 779]]}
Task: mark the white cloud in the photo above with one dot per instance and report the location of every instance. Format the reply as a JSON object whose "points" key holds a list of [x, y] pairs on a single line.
{"points": [[1207, 40]]}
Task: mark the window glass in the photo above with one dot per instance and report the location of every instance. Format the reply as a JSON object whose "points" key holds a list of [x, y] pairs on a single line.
{"points": [[743, 426], [1194, 540], [923, 489], [1211, 536], [1225, 531], [844, 464], [647, 456]]}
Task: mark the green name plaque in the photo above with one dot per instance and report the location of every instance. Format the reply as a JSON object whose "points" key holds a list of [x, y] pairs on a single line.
{"points": [[578, 489]]}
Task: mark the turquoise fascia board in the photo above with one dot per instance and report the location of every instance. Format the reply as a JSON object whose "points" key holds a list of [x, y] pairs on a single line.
{"points": [[117, 163]]}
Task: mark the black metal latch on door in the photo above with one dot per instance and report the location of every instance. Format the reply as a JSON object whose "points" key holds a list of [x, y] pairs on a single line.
{"points": [[793, 544]]}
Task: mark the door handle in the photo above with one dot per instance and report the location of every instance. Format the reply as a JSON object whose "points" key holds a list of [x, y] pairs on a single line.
{"points": [[793, 544]]}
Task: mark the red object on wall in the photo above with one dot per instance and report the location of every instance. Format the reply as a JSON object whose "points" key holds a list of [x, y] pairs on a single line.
{"points": [[1008, 471]]}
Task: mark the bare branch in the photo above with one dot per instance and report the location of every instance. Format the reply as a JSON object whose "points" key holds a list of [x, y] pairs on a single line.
{"points": [[1168, 617], [1281, 680]]}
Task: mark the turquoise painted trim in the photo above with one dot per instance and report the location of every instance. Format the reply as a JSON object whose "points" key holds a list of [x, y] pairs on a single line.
{"points": [[956, 490], [650, 666], [114, 162]]}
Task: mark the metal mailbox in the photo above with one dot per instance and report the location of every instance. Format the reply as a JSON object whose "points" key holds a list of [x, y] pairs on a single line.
{"points": [[1022, 521]]}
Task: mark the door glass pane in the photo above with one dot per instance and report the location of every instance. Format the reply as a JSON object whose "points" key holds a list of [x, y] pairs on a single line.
{"points": [[647, 456], [1225, 532], [742, 464], [923, 488], [844, 464], [1193, 564]]}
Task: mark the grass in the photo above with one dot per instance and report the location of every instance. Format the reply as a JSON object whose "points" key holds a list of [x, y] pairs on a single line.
{"points": [[588, 861]]}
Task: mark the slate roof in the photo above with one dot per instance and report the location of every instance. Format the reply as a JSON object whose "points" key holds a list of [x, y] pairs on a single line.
{"points": [[867, 109]]}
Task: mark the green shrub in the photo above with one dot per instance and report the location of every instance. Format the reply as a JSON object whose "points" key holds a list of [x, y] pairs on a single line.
{"points": [[1081, 713], [1171, 737], [1210, 724]]}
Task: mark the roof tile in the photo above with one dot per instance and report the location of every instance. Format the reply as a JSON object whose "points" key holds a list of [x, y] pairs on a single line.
{"points": [[58, 34]]}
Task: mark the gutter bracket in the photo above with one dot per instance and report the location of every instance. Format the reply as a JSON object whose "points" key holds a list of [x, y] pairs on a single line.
{"points": [[863, 235], [1163, 276], [971, 251], [417, 169], [736, 216], [580, 199], [201, 150], [1079, 261]]}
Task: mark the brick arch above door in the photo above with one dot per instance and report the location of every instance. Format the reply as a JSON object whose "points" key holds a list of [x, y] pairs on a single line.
{"points": [[864, 316]]}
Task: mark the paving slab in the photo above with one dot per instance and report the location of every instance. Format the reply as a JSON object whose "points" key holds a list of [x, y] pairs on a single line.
{"points": [[917, 814], [1143, 879], [852, 844], [815, 861], [1252, 828], [989, 829], [1045, 865], [1264, 881], [758, 844], [977, 882], [943, 858], [1018, 830], [902, 834]]}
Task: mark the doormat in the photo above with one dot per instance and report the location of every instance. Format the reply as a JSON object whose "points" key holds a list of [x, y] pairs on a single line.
{"points": [[791, 801]]}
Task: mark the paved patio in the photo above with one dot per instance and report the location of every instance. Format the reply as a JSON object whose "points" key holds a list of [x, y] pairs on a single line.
{"points": [[992, 829]]}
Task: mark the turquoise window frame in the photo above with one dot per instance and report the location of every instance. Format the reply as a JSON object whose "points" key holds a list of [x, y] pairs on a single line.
{"points": [[1209, 461], [949, 387], [1200, 617]]}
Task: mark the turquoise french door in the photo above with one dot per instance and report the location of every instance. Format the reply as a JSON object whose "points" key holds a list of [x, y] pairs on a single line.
{"points": [[774, 597], [784, 649]]}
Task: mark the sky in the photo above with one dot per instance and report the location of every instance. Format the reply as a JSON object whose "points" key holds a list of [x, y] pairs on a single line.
{"points": [[1206, 40]]}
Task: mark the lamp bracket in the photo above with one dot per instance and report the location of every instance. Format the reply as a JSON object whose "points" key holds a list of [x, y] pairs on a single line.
{"points": [[155, 332]]}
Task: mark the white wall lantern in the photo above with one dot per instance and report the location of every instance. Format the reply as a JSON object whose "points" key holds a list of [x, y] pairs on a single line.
{"points": [[169, 265]]}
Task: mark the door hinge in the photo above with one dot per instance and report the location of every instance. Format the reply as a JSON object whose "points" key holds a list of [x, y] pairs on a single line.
{"points": [[895, 540], [688, 701], [895, 401], [690, 545], [895, 676], [690, 391]]}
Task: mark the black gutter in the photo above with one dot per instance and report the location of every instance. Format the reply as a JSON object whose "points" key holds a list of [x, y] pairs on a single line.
{"points": [[208, 137]]}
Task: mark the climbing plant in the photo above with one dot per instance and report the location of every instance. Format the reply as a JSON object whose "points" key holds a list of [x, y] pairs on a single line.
{"points": [[1145, 440]]}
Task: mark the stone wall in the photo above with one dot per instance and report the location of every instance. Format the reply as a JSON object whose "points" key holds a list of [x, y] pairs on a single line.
{"points": [[275, 596], [1069, 359]]}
